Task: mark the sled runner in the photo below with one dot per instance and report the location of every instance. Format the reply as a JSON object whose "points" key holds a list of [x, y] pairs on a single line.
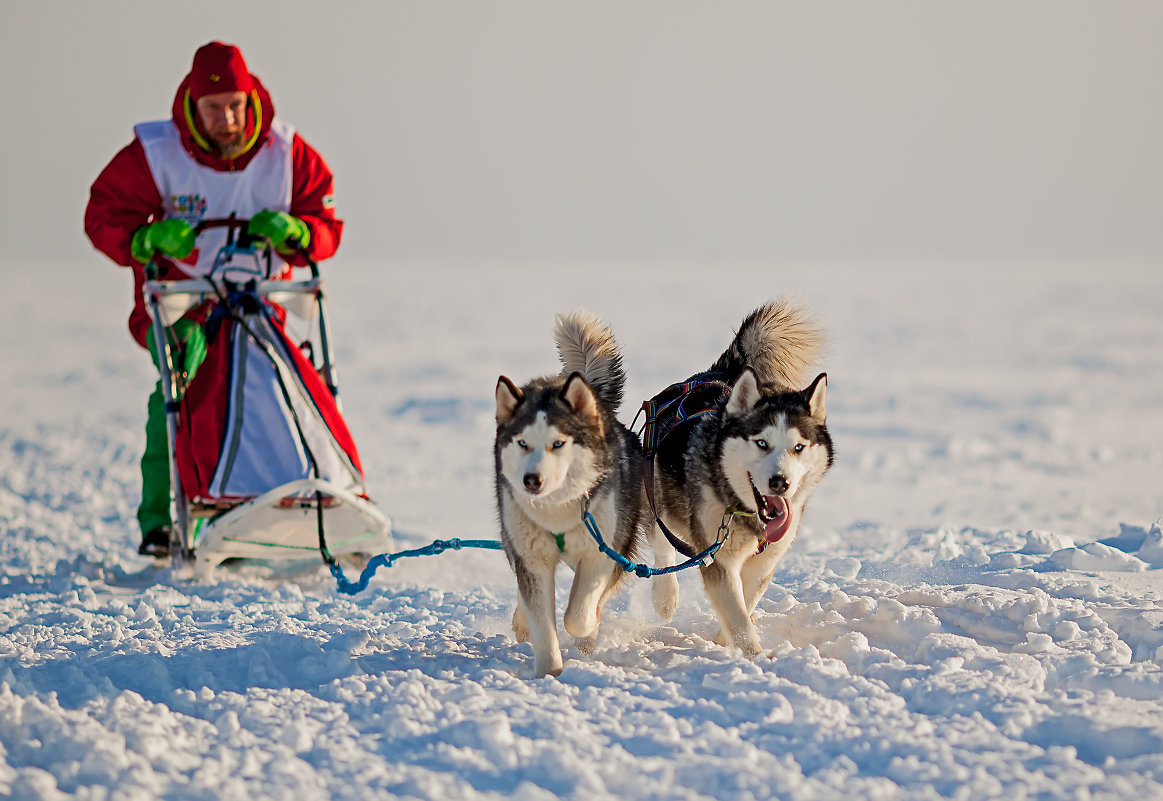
{"points": [[262, 464]]}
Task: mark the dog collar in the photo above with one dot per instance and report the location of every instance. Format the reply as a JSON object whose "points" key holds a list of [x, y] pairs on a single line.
{"points": [[737, 510]]}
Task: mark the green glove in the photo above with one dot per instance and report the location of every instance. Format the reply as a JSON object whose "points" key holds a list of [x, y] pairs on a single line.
{"points": [[284, 231], [174, 238]]}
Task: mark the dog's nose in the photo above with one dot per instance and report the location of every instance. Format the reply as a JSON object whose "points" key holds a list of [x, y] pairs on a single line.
{"points": [[532, 482], [778, 484]]}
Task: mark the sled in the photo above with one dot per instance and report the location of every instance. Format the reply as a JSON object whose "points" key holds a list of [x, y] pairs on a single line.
{"points": [[262, 464]]}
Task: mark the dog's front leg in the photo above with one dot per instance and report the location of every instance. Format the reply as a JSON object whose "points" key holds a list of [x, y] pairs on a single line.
{"points": [[535, 587], [592, 580], [757, 572], [725, 590]]}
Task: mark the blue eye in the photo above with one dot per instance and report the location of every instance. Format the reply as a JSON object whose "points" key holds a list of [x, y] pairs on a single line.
{"points": [[799, 448], [762, 445], [558, 444], [522, 444]]}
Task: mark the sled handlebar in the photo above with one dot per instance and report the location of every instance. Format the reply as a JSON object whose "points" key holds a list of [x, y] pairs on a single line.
{"points": [[238, 235]]}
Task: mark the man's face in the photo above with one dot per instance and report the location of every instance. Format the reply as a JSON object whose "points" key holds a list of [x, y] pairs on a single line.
{"points": [[223, 117]]}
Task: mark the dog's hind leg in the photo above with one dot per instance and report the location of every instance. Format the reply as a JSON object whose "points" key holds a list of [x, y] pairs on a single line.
{"points": [[520, 623], [538, 609], [664, 589]]}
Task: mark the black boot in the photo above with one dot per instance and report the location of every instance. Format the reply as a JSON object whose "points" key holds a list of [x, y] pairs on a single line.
{"points": [[156, 542]]}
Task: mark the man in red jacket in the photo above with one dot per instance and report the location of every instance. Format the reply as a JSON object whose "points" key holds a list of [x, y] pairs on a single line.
{"points": [[221, 153]]}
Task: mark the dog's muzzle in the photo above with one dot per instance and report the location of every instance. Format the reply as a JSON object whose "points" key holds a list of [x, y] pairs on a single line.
{"points": [[774, 513]]}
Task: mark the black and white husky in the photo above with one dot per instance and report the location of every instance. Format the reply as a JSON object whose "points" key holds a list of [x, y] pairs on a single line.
{"points": [[559, 452], [752, 448]]}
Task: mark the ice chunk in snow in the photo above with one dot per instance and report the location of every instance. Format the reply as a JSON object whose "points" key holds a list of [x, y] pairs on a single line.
{"points": [[1151, 551], [1096, 556], [845, 567], [1045, 542]]}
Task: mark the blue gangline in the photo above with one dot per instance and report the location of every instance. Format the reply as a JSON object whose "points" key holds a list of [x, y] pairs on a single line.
{"points": [[643, 570], [348, 587]]}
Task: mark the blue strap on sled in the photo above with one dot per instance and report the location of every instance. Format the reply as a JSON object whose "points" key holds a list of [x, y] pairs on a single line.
{"points": [[348, 587]]}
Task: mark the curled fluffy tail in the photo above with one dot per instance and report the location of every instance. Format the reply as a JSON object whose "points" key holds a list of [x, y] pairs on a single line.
{"points": [[586, 345], [779, 340]]}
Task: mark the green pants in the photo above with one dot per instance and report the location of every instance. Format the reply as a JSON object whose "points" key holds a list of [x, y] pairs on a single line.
{"points": [[189, 346]]}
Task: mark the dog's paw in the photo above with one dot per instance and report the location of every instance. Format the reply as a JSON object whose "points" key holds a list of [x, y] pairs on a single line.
{"points": [[580, 625], [747, 645], [586, 645], [664, 594], [547, 664]]}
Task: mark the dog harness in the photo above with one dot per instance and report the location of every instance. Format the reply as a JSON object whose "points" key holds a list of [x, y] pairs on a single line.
{"points": [[677, 405]]}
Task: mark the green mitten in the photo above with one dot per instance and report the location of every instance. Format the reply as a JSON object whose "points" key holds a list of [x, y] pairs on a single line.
{"points": [[174, 238], [285, 232]]}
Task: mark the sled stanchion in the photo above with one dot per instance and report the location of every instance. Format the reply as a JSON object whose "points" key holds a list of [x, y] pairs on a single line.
{"points": [[168, 369], [348, 587], [327, 369]]}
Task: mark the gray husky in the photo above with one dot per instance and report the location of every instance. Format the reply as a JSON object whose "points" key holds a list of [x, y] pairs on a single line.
{"points": [[559, 452], [741, 449]]}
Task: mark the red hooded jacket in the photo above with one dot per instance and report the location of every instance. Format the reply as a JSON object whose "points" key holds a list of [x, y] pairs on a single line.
{"points": [[125, 197]]}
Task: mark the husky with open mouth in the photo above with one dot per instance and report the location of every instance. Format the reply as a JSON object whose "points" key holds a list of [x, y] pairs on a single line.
{"points": [[561, 453], [741, 447]]}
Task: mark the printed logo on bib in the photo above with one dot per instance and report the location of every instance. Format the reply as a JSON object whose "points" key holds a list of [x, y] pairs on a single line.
{"points": [[191, 208]]}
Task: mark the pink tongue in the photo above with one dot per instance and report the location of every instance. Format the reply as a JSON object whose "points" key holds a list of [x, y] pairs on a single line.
{"points": [[777, 509]]}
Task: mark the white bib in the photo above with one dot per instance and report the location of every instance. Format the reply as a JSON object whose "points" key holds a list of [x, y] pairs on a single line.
{"points": [[194, 192]]}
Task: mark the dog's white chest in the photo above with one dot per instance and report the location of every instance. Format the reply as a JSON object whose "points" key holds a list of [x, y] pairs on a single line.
{"points": [[555, 519]]}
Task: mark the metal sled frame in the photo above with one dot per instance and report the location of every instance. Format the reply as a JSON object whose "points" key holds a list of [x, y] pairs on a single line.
{"points": [[221, 525]]}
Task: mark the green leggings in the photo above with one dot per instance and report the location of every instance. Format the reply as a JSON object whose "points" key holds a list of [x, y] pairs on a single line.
{"points": [[190, 343]]}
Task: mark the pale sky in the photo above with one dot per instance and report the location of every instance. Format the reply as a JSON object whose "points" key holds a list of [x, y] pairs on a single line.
{"points": [[695, 132]]}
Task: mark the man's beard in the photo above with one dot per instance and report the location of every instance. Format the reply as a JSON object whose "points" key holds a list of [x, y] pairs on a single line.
{"points": [[232, 148]]}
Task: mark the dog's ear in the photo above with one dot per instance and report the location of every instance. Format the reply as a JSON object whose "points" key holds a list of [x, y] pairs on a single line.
{"points": [[815, 396], [579, 396], [509, 397], [745, 393]]}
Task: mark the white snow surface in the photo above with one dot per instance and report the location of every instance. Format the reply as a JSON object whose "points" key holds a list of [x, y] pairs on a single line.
{"points": [[972, 610]]}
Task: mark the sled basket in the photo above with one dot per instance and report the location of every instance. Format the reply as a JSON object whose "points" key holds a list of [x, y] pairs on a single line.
{"points": [[263, 464]]}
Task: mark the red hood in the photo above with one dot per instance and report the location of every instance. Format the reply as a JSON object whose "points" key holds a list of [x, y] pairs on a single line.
{"points": [[186, 118]]}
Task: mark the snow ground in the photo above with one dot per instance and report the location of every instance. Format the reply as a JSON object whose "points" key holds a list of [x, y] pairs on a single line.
{"points": [[974, 609]]}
